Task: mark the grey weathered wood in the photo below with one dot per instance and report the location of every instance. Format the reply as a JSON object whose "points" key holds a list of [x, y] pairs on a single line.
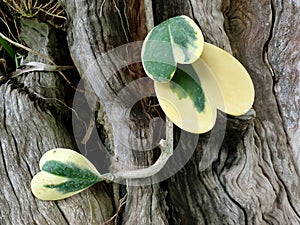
{"points": [[31, 123], [252, 179]]}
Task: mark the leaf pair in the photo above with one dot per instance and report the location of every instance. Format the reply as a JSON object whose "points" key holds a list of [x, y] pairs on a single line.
{"points": [[192, 78], [64, 173]]}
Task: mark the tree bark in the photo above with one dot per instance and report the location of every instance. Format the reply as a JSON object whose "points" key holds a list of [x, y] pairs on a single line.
{"points": [[33, 108], [252, 178]]}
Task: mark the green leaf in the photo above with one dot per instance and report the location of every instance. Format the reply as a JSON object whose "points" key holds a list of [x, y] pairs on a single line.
{"points": [[176, 40], [64, 173], [7, 48]]}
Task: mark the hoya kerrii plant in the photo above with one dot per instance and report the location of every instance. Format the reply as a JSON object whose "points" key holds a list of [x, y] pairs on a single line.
{"points": [[192, 79]]}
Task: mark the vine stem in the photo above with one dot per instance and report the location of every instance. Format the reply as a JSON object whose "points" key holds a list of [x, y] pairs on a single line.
{"points": [[166, 147]]}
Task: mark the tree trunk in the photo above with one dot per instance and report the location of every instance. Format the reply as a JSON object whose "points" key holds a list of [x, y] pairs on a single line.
{"points": [[252, 177]]}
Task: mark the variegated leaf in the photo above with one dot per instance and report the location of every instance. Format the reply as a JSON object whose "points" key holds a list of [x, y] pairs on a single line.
{"points": [[176, 40], [64, 173]]}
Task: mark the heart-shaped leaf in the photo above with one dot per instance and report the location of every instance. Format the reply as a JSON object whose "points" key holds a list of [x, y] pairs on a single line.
{"points": [[215, 81], [64, 173], [176, 40]]}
